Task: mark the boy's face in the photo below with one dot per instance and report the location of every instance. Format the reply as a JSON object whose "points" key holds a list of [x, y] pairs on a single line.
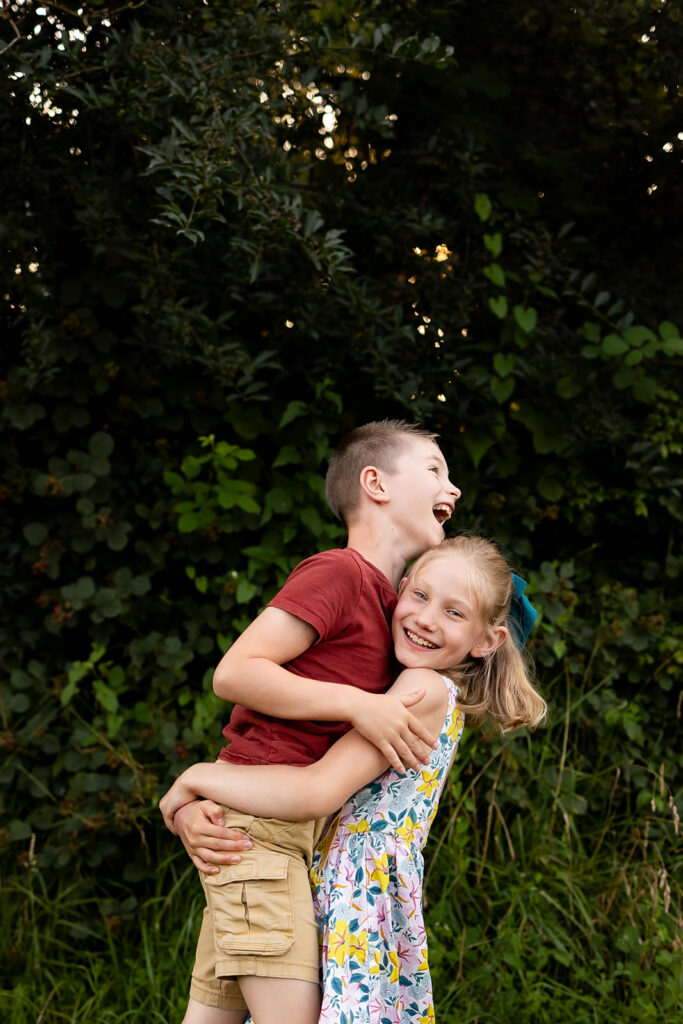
{"points": [[421, 495]]}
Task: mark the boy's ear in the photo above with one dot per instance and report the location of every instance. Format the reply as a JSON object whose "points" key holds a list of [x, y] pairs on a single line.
{"points": [[372, 484], [490, 642]]}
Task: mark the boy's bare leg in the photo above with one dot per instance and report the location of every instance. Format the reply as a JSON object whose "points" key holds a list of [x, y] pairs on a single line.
{"points": [[198, 1013], [280, 1000]]}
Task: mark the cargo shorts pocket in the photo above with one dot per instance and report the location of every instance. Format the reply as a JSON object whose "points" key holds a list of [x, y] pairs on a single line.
{"points": [[252, 907]]}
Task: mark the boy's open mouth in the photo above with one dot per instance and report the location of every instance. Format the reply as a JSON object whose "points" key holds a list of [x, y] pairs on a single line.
{"points": [[442, 512], [420, 641]]}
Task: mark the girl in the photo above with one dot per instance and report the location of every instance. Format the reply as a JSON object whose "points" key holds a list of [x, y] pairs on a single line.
{"points": [[460, 620]]}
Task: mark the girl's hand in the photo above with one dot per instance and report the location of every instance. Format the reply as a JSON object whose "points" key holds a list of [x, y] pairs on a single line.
{"points": [[207, 841], [178, 795]]}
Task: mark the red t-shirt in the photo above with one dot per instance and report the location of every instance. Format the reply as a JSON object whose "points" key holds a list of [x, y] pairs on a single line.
{"points": [[349, 603]]}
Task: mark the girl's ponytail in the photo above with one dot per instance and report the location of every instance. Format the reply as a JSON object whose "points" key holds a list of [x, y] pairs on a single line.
{"points": [[498, 687]]}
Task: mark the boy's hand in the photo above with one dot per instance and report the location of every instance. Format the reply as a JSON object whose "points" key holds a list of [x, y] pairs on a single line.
{"points": [[207, 841], [384, 720]]}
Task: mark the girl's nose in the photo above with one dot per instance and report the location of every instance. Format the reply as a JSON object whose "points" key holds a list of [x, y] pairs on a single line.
{"points": [[455, 491], [424, 620]]}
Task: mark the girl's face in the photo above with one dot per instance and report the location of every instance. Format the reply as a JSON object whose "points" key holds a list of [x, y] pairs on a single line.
{"points": [[437, 623]]}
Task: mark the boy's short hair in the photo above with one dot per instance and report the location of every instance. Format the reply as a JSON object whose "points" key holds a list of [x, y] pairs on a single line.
{"points": [[374, 444]]}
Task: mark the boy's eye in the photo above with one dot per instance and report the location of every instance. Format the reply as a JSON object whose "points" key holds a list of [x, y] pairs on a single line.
{"points": [[434, 469]]}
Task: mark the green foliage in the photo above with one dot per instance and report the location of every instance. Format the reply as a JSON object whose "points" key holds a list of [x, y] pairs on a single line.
{"points": [[533, 912], [112, 715], [127, 948], [233, 232], [205, 503]]}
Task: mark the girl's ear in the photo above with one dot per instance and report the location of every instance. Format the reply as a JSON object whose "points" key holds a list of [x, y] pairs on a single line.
{"points": [[372, 484], [402, 584], [490, 642]]}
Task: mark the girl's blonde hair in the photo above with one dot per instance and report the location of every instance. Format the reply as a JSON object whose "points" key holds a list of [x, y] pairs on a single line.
{"points": [[498, 686]]}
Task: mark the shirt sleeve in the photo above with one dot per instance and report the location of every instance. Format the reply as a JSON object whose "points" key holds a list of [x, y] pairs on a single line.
{"points": [[324, 591]]}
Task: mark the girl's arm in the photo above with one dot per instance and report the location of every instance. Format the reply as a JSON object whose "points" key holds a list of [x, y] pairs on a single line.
{"points": [[297, 794]]}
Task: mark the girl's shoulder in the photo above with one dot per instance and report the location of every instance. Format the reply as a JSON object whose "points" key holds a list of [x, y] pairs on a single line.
{"points": [[434, 685]]}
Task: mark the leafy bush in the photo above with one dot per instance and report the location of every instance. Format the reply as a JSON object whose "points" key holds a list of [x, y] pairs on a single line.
{"points": [[231, 234]]}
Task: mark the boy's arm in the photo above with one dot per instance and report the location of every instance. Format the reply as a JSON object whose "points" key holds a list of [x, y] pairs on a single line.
{"points": [[301, 793], [252, 673]]}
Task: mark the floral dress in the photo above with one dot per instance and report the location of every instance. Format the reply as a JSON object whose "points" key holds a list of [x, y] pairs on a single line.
{"points": [[368, 894]]}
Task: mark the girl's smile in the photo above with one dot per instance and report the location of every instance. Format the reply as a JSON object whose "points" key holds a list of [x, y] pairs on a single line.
{"points": [[420, 641]]}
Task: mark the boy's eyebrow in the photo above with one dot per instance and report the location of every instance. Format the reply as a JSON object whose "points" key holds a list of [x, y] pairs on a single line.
{"points": [[437, 457]]}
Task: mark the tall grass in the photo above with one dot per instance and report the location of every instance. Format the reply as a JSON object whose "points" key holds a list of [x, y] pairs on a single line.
{"points": [[72, 956], [552, 894]]}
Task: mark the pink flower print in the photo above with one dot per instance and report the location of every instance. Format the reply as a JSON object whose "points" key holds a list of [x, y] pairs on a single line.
{"points": [[409, 955], [382, 913], [376, 1008], [414, 899], [349, 876]]}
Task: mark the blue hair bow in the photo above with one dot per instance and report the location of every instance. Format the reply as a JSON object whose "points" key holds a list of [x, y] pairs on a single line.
{"points": [[522, 612]]}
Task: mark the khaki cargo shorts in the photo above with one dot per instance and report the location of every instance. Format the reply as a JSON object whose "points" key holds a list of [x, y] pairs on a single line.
{"points": [[259, 918]]}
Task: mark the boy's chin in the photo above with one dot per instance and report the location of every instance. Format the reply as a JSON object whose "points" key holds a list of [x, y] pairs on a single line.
{"points": [[436, 534], [430, 537]]}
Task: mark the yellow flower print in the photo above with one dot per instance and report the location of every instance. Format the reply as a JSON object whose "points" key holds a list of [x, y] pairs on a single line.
{"points": [[410, 831], [456, 725], [430, 783], [338, 943], [424, 964], [428, 1017], [393, 959], [377, 966], [381, 872], [358, 946], [361, 826]]}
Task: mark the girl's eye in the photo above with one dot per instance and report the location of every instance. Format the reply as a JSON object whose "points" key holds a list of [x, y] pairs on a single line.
{"points": [[419, 594], [434, 469], [455, 613]]}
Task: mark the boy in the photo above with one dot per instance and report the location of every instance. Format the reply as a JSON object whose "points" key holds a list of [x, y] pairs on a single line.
{"points": [[329, 624]]}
